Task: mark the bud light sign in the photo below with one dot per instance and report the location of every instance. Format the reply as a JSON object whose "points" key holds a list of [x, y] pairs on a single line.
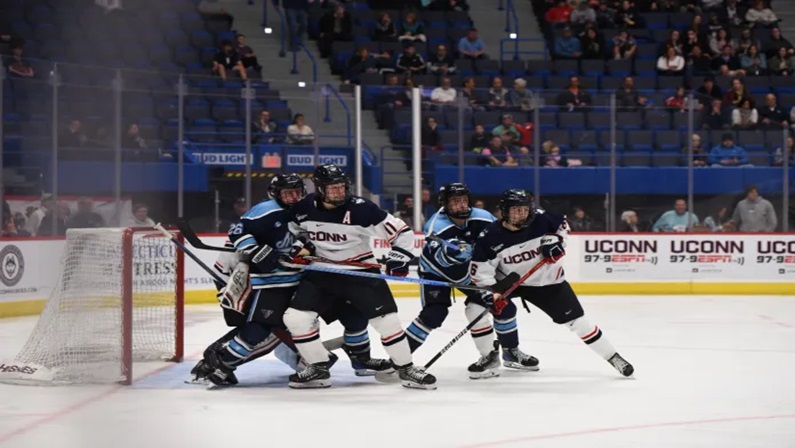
{"points": [[212, 158], [298, 160]]}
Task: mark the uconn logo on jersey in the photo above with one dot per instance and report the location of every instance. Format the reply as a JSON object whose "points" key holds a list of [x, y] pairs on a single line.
{"points": [[327, 236], [522, 257]]}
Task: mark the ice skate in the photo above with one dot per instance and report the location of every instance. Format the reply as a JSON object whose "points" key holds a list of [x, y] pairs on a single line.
{"points": [[621, 365], [487, 366], [513, 358], [416, 378]]}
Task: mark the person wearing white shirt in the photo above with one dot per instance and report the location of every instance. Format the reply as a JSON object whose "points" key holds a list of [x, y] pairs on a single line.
{"points": [[140, 217], [445, 94], [671, 63]]}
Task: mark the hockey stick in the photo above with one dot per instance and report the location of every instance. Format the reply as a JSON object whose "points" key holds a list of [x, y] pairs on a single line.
{"points": [[483, 314], [190, 254], [434, 237], [353, 273]]}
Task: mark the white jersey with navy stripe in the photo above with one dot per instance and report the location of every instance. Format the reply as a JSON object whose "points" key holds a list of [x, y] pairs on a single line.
{"points": [[345, 233], [499, 252], [266, 223], [434, 261]]}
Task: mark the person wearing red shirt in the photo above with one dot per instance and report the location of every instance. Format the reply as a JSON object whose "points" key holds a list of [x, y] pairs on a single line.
{"points": [[559, 14]]}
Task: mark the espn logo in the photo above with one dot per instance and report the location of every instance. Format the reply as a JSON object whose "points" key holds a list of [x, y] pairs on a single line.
{"points": [[10, 368]]}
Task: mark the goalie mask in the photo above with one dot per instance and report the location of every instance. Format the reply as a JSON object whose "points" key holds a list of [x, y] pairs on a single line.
{"points": [[282, 182], [450, 191], [331, 175], [522, 204]]}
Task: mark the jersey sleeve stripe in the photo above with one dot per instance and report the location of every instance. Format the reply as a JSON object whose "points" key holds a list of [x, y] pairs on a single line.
{"points": [[397, 234], [245, 242]]}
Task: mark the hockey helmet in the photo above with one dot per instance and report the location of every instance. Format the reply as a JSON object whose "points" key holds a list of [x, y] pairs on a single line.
{"points": [[448, 191], [330, 174], [285, 182], [516, 198]]}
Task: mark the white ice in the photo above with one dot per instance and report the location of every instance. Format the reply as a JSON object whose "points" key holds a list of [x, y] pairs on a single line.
{"points": [[710, 372]]}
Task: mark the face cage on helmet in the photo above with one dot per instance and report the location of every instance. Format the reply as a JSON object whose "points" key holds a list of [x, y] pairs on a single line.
{"points": [[276, 193], [462, 215], [506, 215], [320, 190]]}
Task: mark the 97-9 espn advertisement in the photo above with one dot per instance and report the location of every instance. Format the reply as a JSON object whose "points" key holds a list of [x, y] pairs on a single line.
{"points": [[650, 257]]}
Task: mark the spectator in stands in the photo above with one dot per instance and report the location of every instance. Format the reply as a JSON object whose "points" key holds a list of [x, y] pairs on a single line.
{"points": [[624, 46], [678, 101], [781, 64], [760, 15], [713, 25], [85, 217], [567, 46], [519, 97], [507, 125], [776, 41], [629, 222], [246, 54], [718, 41], [674, 40], [406, 213], [16, 65], [497, 95], [699, 63], [133, 138], [335, 25], [745, 41], [573, 98], [732, 13], [34, 220], [14, 226], [727, 64], [479, 140], [754, 213], [551, 157], [385, 29], [445, 94], [297, 12], [709, 90], [583, 15], [671, 64], [592, 43], [715, 117], [266, 129], [410, 62], [468, 92], [719, 221], [448, 5], [676, 220], [411, 30], [394, 100], [559, 14], [496, 154], [737, 94], [431, 139], [745, 116], [605, 16], [771, 115], [580, 222], [54, 222], [470, 46], [227, 60], [213, 9], [442, 62], [428, 207], [74, 137], [479, 204], [360, 63], [299, 133], [700, 154], [778, 157], [627, 98], [727, 154], [691, 40], [140, 216], [753, 62], [711, 5], [627, 16]]}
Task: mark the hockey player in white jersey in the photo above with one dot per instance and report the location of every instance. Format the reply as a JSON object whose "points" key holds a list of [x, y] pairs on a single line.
{"points": [[524, 237], [450, 236], [340, 226]]}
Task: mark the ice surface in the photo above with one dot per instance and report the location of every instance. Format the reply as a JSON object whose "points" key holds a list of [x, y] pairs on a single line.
{"points": [[710, 372]]}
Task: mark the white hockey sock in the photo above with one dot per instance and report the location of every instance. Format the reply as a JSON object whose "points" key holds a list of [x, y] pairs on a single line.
{"points": [[592, 336], [482, 333], [393, 338], [305, 330]]}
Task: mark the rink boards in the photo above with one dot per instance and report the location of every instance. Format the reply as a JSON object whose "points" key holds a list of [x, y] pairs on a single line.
{"points": [[597, 263]]}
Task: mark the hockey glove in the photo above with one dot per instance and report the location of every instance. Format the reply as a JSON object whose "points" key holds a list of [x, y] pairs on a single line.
{"points": [[495, 302], [234, 296], [552, 247], [460, 252], [398, 262], [266, 259], [301, 248]]}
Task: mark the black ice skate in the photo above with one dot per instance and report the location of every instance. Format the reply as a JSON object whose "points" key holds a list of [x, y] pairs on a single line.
{"points": [[314, 376], [416, 378], [621, 365], [513, 358], [487, 366], [364, 365]]}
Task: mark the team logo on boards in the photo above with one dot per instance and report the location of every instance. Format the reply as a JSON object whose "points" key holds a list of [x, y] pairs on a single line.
{"points": [[12, 265]]}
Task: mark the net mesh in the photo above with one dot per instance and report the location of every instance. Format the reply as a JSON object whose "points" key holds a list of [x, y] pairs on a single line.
{"points": [[79, 336]]}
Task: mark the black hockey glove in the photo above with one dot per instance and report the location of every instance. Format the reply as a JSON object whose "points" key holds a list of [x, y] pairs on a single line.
{"points": [[398, 262], [266, 259], [552, 247]]}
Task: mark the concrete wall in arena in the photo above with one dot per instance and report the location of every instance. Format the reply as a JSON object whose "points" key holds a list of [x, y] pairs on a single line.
{"points": [[595, 263]]}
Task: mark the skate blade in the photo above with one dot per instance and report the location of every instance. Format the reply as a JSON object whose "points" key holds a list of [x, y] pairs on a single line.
{"points": [[213, 386], [483, 375], [369, 372], [385, 376], [413, 385], [517, 366], [198, 382], [317, 384]]}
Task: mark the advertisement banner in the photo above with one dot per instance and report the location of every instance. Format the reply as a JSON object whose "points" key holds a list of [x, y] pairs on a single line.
{"points": [[29, 269], [302, 159]]}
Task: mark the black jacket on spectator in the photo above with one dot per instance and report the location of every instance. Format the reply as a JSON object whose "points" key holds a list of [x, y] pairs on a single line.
{"points": [[772, 46], [714, 94], [732, 62], [479, 141], [701, 65], [328, 33], [715, 121], [776, 115], [406, 61], [228, 60], [580, 100], [385, 33], [593, 48], [430, 137], [435, 63], [357, 66], [627, 101]]}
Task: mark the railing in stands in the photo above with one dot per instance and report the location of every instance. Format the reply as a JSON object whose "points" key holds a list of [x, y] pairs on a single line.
{"points": [[329, 90], [311, 59], [517, 52], [500, 6], [511, 16], [283, 24]]}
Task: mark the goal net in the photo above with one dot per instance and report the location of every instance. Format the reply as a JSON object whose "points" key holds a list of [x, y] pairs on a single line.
{"points": [[118, 299]]}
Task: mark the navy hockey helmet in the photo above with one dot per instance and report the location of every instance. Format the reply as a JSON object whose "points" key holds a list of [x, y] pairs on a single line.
{"points": [[448, 191], [516, 198], [285, 182], [330, 174]]}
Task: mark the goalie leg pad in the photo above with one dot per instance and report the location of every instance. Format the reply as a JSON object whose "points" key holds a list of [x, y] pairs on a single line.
{"points": [[483, 332], [235, 294], [305, 329]]}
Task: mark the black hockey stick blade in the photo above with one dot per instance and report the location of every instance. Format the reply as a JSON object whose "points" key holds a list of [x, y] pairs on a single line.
{"points": [[195, 241]]}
